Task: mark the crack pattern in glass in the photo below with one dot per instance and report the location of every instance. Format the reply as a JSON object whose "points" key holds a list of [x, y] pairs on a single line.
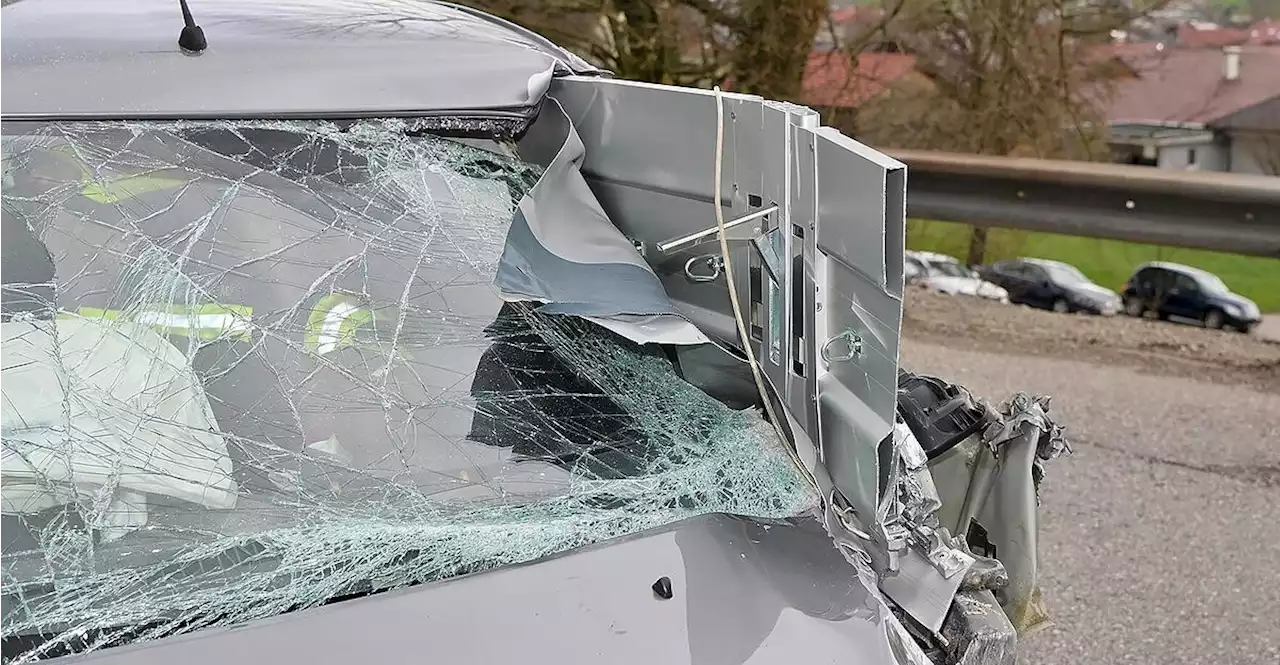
{"points": [[254, 367]]}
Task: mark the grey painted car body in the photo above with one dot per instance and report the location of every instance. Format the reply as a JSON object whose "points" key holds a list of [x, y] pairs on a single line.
{"points": [[742, 592], [304, 58], [828, 343]]}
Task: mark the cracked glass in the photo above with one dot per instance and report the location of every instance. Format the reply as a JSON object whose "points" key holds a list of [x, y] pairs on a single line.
{"points": [[255, 367]]}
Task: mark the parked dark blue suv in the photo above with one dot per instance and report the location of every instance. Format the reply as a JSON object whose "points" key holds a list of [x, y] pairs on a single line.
{"points": [[1173, 290]]}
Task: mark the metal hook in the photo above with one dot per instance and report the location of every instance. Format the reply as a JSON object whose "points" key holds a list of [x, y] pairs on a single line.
{"points": [[714, 262], [845, 516], [853, 351]]}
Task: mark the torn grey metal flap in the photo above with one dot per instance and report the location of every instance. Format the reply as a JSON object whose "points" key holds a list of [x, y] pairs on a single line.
{"points": [[1025, 438], [562, 249], [920, 589]]}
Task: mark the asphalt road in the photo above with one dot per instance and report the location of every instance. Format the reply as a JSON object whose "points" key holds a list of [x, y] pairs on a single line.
{"points": [[1160, 539]]}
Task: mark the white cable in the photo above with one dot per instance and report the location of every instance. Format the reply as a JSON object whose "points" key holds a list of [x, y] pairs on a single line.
{"points": [[733, 296]]}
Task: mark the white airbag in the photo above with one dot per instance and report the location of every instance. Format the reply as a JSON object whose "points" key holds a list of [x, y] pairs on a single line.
{"points": [[106, 406]]}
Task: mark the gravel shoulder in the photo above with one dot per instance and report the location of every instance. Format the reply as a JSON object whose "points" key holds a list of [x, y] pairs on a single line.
{"points": [[1146, 345]]}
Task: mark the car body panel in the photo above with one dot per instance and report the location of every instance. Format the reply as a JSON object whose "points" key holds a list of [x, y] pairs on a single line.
{"points": [[967, 286], [913, 271], [637, 168], [741, 592], [306, 58], [819, 273]]}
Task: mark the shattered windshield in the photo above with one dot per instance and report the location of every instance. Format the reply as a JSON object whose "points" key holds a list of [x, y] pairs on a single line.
{"points": [[253, 367]]}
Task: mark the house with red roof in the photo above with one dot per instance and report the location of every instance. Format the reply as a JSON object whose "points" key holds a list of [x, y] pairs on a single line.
{"points": [[833, 80], [1201, 108], [1208, 98]]}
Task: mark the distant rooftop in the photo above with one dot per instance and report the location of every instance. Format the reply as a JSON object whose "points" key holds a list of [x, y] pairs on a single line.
{"points": [[831, 80], [1187, 86]]}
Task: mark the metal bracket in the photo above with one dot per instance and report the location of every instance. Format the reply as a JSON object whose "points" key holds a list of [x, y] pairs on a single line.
{"points": [[713, 262], [853, 348], [667, 246], [639, 245], [845, 515]]}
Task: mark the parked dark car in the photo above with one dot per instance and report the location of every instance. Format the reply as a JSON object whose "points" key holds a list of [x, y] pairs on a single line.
{"points": [[1173, 290], [1053, 285]]}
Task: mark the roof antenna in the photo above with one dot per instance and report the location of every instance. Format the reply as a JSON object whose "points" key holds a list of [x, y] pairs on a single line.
{"points": [[191, 40]]}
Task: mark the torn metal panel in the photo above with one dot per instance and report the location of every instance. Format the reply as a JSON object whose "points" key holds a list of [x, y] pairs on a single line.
{"points": [[388, 417], [1022, 442], [562, 249], [822, 318], [652, 170], [978, 632], [989, 484], [857, 316], [649, 159], [925, 566]]}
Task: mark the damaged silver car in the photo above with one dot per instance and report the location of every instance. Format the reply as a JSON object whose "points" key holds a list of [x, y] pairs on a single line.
{"points": [[359, 331]]}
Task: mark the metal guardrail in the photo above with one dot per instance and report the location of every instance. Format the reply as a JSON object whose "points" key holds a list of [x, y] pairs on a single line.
{"points": [[1219, 211]]}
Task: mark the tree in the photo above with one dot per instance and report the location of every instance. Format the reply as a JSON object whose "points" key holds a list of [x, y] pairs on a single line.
{"points": [[1260, 9], [759, 46], [1264, 150], [1006, 77], [1000, 77]]}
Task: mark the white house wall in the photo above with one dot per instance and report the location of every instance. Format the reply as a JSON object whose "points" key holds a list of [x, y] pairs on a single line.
{"points": [[1208, 157]]}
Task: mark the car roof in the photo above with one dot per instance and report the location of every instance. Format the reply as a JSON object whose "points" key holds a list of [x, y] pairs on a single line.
{"points": [[931, 256], [302, 58], [1044, 262], [1187, 270]]}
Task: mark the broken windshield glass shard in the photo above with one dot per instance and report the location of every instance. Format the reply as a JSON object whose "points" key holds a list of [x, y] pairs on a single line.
{"points": [[291, 377]]}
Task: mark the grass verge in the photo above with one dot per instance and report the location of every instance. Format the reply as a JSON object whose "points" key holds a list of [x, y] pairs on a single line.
{"points": [[1107, 262]]}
